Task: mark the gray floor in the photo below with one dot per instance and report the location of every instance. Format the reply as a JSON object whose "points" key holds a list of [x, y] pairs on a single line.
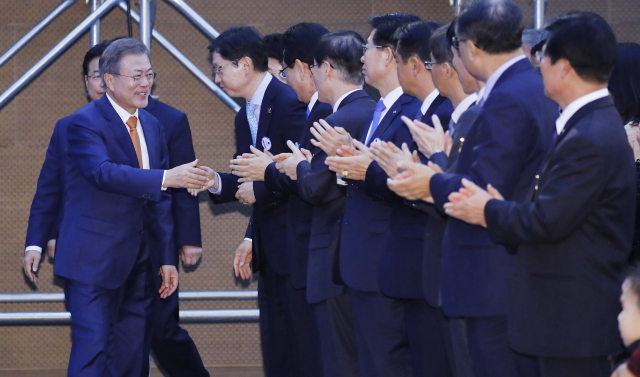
{"points": [[215, 372]]}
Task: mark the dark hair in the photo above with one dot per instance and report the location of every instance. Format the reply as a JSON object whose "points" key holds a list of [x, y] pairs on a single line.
{"points": [[440, 46], [413, 39], [586, 41], [343, 49], [533, 37], [624, 83], [385, 27], [95, 52], [494, 26], [273, 42], [300, 40], [239, 42]]}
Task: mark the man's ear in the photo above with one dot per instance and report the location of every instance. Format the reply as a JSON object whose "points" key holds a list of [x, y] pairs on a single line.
{"points": [[299, 69], [472, 50], [108, 80], [246, 64], [415, 63]]}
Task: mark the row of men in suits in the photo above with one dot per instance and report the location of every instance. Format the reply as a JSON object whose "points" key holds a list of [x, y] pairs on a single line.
{"points": [[97, 214], [365, 267]]}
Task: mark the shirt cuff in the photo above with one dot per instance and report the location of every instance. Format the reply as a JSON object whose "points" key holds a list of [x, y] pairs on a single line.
{"points": [[219, 190], [36, 248], [248, 239], [163, 177]]}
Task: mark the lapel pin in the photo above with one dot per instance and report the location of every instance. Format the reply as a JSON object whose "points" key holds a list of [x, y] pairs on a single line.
{"points": [[395, 111], [266, 143], [269, 110], [376, 141]]}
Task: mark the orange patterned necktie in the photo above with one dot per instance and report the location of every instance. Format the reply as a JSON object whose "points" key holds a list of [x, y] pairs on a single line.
{"points": [[133, 123]]}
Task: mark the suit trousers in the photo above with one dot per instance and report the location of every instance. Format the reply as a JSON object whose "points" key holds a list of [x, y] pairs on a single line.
{"points": [[173, 349], [427, 339], [458, 346], [289, 348], [337, 338], [565, 367], [491, 355], [381, 335], [111, 328]]}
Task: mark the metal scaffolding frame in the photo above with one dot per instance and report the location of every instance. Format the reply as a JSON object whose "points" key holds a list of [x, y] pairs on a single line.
{"points": [[98, 9]]}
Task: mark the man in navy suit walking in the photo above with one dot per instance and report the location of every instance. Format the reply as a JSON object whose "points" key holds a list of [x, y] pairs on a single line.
{"points": [[506, 146], [117, 220], [271, 116], [574, 229]]}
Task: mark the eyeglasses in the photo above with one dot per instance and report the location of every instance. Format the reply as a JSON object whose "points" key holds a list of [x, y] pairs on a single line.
{"points": [[149, 76], [429, 65], [366, 47], [218, 70], [95, 78], [319, 65], [282, 72], [455, 41]]}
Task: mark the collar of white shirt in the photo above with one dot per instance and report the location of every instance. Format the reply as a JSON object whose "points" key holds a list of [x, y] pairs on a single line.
{"points": [[258, 96], [312, 103], [493, 79], [122, 113], [339, 101], [391, 98], [428, 101], [576, 105], [463, 106]]}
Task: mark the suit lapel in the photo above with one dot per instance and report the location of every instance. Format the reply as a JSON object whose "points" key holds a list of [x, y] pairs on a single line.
{"points": [[119, 129], [150, 137], [432, 109], [266, 110]]}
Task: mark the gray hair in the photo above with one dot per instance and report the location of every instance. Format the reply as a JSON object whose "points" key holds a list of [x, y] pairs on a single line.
{"points": [[111, 57], [531, 37]]}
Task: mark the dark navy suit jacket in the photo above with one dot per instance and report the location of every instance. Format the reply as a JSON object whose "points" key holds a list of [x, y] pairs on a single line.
{"points": [[432, 257], [574, 234], [365, 228], [317, 186], [505, 147], [47, 207], [282, 118], [186, 212], [400, 270], [299, 212], [110, 203]]}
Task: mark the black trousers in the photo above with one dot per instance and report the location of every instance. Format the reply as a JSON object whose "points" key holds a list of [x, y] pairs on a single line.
{"points": [[491, 355], [287, 329], [174, 350], [381, 335], [337, 338]]}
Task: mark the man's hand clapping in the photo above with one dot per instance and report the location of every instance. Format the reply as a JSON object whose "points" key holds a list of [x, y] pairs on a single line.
{"points": [[251, 167], [350, 163], [387, 155], [329, 139], [429, 139], [288, 162]]}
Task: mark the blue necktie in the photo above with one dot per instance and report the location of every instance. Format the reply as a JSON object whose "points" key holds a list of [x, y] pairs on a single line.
{"points": [[253, 121], [308, 112], [377, 113], [419, 115]]}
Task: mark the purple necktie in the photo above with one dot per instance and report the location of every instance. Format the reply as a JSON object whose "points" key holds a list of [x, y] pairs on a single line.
{"points": [[554, 137], [377, 113]]}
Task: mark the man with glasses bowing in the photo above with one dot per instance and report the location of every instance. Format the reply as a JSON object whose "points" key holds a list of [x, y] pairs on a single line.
{"points": [[118, 220], [271, 116]]}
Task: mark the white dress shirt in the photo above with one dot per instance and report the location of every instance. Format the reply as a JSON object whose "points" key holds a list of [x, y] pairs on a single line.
{"points": [[463, 106], [493, 79], [388, 101], [339, 101], [256, 99], [429, 101], [312, 102], [124, 115], [576, 105]]}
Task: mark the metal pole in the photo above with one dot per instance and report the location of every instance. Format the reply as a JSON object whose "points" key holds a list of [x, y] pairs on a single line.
{"points": [[187, 63], [195, 18], [186, 316], [95, 28], [6, 298], [538, 15], [36, 30], [145, 23], [55, 52]]}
